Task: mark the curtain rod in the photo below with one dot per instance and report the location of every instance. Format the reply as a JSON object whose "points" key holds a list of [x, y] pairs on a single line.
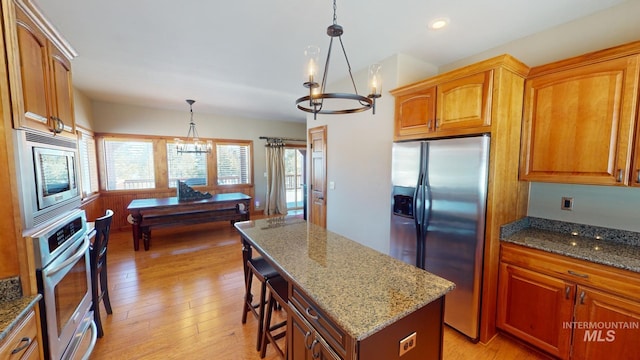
{"points": [[268, 138]]}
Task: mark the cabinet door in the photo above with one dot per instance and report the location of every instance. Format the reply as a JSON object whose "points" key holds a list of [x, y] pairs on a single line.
{"points": [[415, 114], [299, 336], [578, 124], [61, 89], [34, 73], [595, 333], [635, 167], [303, 342], [465, 102], [536, 308]]}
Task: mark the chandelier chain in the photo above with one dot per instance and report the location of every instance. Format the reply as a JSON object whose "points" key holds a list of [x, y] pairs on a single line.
{"points": [[335, 17]]}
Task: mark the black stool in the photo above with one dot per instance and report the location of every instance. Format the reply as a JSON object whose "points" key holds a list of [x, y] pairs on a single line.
{"points": [[98, 263], [263, 271], [278, 297]]}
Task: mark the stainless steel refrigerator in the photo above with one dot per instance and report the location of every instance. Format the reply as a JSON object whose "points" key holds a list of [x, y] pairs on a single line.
{"points": [[438, 207]]}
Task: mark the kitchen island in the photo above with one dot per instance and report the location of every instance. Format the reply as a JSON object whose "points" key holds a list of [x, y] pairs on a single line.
{"points": [[348, 301]]}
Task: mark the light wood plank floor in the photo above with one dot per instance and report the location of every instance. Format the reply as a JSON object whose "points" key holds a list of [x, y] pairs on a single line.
{"points": [[183, 299]]}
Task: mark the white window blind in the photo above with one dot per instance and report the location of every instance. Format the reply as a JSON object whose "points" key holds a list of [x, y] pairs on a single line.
{"points": [[129, 164], [188, 167], [234, 164], [88, 163]]}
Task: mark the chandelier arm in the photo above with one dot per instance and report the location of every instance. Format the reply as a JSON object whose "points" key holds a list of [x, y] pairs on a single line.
{"points": [[326, 67], [348, 65]]}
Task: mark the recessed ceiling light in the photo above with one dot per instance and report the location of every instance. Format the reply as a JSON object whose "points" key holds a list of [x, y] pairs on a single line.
{"points": [[438, 23]]}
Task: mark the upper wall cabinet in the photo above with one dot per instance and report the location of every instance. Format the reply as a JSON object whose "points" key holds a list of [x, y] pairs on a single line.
{"points": [[39, 71], [462, 103], [579, 119]]}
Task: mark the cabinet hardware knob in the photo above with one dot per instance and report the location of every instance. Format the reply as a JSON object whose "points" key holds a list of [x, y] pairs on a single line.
{"points": [[24, 343], [638, 176], [429, 123], [437, 123], [582, 295], [620, 174], [567, 291], [313, 346], [584, 276], [311, 314], [306, 340], [57, 125]]}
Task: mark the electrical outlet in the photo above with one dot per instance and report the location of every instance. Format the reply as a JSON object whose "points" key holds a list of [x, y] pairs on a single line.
{"points": [[408, 343], [567, 203]]}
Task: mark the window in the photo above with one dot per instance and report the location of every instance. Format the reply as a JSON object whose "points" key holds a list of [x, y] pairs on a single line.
{"points": [[152, 162], [129, 164], [188, 167], [88, 163], [234, 165]]}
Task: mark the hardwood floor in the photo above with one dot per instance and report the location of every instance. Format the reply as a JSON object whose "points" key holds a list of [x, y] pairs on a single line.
{"points": [[183, 299]]}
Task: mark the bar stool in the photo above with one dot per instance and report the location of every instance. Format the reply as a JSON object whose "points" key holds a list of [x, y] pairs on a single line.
{"points": [[278, 298], [98, 264], [262, 271]]}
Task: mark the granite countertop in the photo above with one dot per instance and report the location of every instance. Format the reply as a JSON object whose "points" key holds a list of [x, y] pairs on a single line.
{"points": [[13, 306], [360, 288], [617, 248]]}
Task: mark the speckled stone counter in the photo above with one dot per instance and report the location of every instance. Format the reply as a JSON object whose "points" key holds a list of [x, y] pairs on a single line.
{"points": [[13, 306], [362, 289], [617, 248]]}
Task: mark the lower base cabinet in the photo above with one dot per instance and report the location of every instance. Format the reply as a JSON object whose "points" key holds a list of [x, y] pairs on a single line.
{"points": [[569, 309], [312, 334], [22, 342], [304, 342]]}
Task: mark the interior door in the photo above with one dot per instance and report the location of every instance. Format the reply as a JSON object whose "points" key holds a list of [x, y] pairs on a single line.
{"points": [[318, 176]]}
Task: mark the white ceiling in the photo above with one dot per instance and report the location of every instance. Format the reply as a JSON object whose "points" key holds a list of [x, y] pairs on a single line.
{"points": [[245, 58]]}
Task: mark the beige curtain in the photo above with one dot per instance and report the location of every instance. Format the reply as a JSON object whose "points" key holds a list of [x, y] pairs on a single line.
{"points": [[276, 202]]}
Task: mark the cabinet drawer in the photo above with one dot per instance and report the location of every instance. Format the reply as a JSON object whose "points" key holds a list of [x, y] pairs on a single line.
{"points": [[23, 337], [622, 282], [335, 336]]}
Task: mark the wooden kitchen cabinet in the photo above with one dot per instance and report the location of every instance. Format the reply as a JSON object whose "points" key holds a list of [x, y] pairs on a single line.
{"points": [[597, 307], [314, 335], [459, 103], [304, 343], [579, 119], [533, 307], [550, 301], [415, 114], [39, 71], [22, 342]]}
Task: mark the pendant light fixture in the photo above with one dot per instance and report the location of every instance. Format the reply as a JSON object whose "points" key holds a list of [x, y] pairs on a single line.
{"points": [[193, 144], [347, 103]]}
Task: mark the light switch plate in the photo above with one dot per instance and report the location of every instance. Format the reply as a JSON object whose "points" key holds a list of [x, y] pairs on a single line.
{"points": [[567, 203]]}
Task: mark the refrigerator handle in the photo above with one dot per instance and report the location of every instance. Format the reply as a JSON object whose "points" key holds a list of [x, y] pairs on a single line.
{"points": [[417, 194]]}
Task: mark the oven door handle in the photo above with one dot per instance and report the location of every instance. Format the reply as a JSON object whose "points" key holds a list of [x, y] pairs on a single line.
{"points": [[71, 260]]}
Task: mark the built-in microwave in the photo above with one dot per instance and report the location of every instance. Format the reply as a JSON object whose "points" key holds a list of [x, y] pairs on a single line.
{"points": [[47, 176]]}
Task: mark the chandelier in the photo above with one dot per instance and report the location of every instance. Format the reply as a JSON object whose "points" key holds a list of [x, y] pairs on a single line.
{"points": [[346, 103], [193, 144]]}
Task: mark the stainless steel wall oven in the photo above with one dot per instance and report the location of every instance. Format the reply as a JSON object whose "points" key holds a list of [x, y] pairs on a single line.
{"points": [[61, 251]]}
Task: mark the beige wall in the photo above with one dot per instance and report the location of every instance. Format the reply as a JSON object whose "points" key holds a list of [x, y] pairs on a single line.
{"points": [[359, 156], [128, 119], [607, 206], [359, 145]]}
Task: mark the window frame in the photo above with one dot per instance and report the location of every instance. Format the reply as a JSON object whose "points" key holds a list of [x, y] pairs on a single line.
{"points": [[161, 163], [86, 135]]}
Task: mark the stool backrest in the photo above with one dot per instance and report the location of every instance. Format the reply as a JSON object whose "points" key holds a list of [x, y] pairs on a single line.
{"points": [[99, 247]]}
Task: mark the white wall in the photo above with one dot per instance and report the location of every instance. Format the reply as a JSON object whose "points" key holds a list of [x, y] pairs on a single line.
{"points": [[82, 110], [128, 119], [359, 156], [607, 206], [614, 207]]}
